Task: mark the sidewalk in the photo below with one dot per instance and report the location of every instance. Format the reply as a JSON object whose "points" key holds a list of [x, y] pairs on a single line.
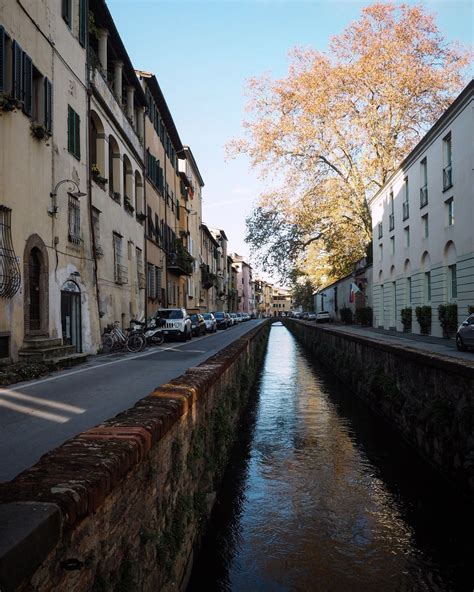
{"points": [[426, 343]]}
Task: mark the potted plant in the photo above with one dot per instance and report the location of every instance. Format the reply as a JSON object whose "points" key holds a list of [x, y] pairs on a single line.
{"points": [[423, 316], [406, 316], [97, 175], [9, 103], [364, 316], [127, 202], [448, 319], [141, 216], [116, 196], [470, 309], [39, 131], [346, 315]]}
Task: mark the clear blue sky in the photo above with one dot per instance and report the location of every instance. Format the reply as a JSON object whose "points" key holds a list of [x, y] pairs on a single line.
{"points": [[202, 52]]}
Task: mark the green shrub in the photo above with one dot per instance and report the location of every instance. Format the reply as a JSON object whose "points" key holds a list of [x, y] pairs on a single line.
{"points": [[364, 316], [423, 316], [406, 315], [448, 318], [470, 309], [346, 315]]}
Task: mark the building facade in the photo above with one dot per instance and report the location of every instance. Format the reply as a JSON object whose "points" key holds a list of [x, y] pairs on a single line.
{"points": [[423, 242], [281, 302]]}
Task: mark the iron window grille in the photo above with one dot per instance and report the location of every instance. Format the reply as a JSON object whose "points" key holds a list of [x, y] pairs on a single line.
{"points": [[391, 222], [10, 278], [120, 271], [423, 196], [74, 221], [447, 177], [406, 210]]}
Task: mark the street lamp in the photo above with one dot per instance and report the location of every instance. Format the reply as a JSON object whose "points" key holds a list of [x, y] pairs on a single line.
{"points": [[53, 208]]}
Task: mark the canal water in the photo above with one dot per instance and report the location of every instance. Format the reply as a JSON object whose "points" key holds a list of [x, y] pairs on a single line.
{"points": [[321, 495]]}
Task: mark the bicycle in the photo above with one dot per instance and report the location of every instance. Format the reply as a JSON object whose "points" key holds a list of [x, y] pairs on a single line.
{"points": [[116, 339]]}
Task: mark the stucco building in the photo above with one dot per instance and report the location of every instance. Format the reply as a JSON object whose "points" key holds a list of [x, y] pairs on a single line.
{"points": [[423, 239]]}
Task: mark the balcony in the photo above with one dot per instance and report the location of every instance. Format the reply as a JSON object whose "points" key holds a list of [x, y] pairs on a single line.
{"points": [[423, 196], [208, 279], [391, 222], [179, 261], [447, 177], [406, 210]]}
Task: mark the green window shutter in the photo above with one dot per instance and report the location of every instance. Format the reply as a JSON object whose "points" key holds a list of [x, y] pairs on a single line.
{"points": [[70, 129], [82, 22], [66, 11], [17, 71], [27, 85], [77, 136], [2, 60], [48, 105]]}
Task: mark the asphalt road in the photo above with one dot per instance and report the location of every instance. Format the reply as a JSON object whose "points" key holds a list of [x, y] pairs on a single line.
{"points": [[39, 415]]}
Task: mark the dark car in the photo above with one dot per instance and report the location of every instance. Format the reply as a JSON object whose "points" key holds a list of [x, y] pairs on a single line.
{"points": [[222, 320], [198, 325]]}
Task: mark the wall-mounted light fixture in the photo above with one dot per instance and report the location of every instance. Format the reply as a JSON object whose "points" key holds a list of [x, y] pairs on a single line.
{"points": [[53, 208]]}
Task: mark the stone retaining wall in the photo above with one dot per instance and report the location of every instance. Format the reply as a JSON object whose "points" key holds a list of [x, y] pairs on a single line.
{"points": [[429, 398], [122, 506]]}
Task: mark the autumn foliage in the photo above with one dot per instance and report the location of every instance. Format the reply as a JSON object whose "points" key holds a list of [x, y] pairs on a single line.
{"points": [[336, 127]]}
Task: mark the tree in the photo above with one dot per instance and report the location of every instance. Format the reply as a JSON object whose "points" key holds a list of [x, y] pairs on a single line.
{"points": [[302, 293], [336, 128]]}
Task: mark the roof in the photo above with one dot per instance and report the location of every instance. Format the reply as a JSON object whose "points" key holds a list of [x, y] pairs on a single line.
{"points": [[189, 155], [103, 19], [152, 82], [209, 234], [430, 134]]}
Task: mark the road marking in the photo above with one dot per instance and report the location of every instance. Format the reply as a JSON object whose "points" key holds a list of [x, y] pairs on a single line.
{"points": [[102, 365], [40, 401]]}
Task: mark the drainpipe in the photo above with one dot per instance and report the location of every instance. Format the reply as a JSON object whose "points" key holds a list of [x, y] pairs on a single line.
{"points": [[142, 119], [166, 225]]}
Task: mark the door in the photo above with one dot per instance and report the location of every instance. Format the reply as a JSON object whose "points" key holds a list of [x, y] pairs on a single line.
{"points": [[71, 315], [34, 307]]}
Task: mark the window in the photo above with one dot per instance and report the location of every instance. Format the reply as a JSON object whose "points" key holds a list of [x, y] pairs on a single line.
{"points": [[406, 232], [425, 226], [447, 163], [82, 22], [423, 183], [66, 10], [10, 278], [380, 229], [409, 294], [74, 221], [452, 282], [73, 132], [3, 64], [450, 211], [392, 245], [428, 286], [380, 254], [120, 271], [140, 274], [391, 218], [406, 207], [151, 281]]}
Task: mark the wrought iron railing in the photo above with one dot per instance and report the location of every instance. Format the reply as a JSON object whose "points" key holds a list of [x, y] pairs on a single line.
{"points": [[10, 278]]}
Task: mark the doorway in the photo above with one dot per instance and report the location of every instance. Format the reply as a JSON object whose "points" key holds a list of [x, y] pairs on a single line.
{"points": [[71, 315], [34, 275]]}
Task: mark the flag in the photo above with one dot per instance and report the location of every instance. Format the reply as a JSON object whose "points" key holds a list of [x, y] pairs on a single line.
{"points": [[352, 292]]}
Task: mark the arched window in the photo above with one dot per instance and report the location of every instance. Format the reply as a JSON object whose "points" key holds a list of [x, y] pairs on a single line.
{"points": [[138, 193], [114, 166], [450, 259], [97, 149], [127, 182]]}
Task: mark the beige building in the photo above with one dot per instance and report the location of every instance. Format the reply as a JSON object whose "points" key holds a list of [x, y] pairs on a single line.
{"points": [[47, 291], [209, 255], [117, 109], [263, 298], [193, 184], [282, 303], [221, 269]]}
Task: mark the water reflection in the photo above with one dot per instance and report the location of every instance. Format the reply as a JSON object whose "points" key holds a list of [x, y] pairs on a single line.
{"points": [[322, 496]]}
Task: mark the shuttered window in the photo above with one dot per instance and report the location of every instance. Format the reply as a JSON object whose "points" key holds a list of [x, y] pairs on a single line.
{"points": [[27, 85], [82, 22], [3, 74], [48, 105], [17, 71], [73, 132]]}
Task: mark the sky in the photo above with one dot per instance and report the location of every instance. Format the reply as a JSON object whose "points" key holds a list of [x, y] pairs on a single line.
{"points": [[203, 51]]}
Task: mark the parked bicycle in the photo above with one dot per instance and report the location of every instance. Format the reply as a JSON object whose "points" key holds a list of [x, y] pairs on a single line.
{"points": [[133, 341]]}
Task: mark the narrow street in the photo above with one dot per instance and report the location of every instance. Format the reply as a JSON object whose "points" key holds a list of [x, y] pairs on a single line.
{"points": [[41, 414]]}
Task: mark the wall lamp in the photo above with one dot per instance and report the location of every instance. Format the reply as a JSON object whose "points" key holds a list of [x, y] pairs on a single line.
{"points": [[53, 208]]}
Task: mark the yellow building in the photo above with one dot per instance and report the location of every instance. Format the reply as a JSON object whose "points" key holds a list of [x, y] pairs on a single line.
{"points": [[282, 303]]}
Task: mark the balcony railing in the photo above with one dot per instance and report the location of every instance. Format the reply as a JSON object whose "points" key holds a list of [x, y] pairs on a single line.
{"points": [[180, 262], [391, 222], [447, 177], [406, 210], [208, 279], [423, 196]]}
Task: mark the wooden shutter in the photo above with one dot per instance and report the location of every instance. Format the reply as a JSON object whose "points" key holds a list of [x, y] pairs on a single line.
{"points": [[66, 11], [2, 60], [70, 129], [48, 105], [27, 84], [82, 22], [77, 135], [17, 71]]}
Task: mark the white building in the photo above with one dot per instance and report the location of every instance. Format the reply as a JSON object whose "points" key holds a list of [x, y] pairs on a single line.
{"points": [[423, 224]]}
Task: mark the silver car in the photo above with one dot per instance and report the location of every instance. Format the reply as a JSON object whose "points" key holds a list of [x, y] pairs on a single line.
{"points": [[465, 334]]}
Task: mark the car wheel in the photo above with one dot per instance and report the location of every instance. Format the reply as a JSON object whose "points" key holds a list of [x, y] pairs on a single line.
{"points": [[190, 335], [459, 344]]}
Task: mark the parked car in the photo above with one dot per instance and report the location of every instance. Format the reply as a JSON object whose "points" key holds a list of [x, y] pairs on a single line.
{"points": [[323, 316], [177, 322], [465, 334], [233, 318], [222, 321], [228, 319], [311, 316], [211, 323], [239, 316], [198, 324]]}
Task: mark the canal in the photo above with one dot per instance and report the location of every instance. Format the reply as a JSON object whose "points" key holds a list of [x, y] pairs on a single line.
{"points": [[322, 495]]}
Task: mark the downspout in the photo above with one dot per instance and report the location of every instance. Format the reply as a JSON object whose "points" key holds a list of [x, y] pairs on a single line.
{"points": [[166, 226], [145, 240]]}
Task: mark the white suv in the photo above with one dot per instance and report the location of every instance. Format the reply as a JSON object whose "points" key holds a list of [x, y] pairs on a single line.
{"points": [[177, 322]]}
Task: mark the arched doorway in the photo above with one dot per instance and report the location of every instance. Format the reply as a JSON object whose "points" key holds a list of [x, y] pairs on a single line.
{"points": [[35, 275], [71, 320]]}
